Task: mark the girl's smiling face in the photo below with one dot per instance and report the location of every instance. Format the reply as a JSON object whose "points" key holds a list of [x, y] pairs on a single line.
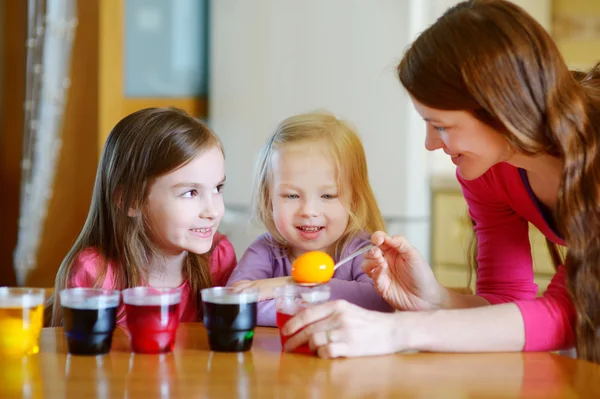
{"points": [[184, 207]]}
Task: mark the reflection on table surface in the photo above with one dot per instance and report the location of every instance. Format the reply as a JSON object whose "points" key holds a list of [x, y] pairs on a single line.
{"points": [[264, 372]]}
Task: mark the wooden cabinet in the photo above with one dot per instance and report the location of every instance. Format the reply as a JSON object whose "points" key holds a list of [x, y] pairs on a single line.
{"points": [[451, 235]]}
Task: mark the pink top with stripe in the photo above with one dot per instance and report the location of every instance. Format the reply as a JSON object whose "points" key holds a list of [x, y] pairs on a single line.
{"points": [[501, 203]]}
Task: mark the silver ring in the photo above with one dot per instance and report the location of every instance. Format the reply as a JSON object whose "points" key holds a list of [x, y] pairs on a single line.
{"points": [[329, 337]]}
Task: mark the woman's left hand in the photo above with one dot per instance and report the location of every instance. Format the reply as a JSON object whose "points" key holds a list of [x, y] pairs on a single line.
{"points": [[341, 329]]}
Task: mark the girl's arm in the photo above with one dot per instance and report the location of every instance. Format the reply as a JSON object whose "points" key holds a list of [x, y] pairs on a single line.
{"points": [[360, 293], [257, 264]]}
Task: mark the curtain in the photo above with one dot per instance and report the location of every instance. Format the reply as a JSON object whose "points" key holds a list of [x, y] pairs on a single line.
{"points": [[51, 28]]}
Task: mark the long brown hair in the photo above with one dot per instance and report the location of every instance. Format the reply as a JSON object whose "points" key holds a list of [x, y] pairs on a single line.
{"points": [[491, 58], [350, 160], [141, 147]]}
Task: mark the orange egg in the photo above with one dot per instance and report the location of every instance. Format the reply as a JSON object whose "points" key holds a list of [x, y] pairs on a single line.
{"points": [[313, 267]]}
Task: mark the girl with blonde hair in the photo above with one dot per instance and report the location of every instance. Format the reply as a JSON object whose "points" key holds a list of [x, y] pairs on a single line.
{"points": [[312, 193]]}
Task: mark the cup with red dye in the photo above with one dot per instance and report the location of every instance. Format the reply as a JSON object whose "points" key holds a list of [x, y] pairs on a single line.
{"points": [[291, 299], [152, 318]]}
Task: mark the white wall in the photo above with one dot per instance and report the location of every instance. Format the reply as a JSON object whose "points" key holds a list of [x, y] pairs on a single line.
{"points": [[273, 59]]}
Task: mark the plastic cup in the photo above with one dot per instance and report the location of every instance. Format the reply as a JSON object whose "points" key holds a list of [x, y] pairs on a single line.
{"points": [[291, 299], [21, 320], [152, 318], [229, 318], [89, 319]]}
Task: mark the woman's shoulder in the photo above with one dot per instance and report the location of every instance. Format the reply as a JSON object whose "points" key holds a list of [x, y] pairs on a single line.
{"points": [[499, 177], [501, 183]]}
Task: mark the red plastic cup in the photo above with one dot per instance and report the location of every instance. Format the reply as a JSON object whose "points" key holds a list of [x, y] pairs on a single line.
{"points": [[291, 299], [152, 318]]}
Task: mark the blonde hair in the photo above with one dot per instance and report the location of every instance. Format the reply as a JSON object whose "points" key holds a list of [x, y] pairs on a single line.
{"points": [[350, 160], [141, 147]]}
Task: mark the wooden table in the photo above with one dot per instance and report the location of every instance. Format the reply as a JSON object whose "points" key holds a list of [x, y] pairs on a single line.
{"points": [[192, 371]]}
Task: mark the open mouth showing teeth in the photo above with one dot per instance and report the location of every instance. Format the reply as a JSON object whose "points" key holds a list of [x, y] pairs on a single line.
{"points": [[201, 230], [310, 229]]}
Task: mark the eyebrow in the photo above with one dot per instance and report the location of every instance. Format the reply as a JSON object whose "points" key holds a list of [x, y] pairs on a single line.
{"points": [[196, 185], [324, 187], [432, 120]]}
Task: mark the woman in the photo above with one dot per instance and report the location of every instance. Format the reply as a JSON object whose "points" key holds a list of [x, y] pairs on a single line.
{"points": [[522, 130]]}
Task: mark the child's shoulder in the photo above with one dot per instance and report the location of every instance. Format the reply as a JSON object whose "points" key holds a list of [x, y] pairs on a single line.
{"points": [[359, 240], [265, 243], [88, 258], [221, 244], [264, 249], [87, 266], [264, 239], [222, 259]]}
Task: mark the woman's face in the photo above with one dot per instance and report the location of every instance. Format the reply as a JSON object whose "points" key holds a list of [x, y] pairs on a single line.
{"points": [[473, 146]]}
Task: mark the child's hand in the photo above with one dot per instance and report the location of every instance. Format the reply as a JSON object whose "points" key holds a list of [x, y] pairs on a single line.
{"points": [[265, 287]]}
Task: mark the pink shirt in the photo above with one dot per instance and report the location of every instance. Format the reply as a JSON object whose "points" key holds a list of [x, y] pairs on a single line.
{"points": [[501, 205], [222, 262]]}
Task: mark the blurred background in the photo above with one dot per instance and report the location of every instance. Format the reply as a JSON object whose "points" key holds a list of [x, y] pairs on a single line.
{"points": [[70, 69]]}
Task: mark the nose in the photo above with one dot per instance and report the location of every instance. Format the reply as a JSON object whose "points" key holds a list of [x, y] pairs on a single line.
{"points": [[433, 141], [309, 208], [209, 208]]}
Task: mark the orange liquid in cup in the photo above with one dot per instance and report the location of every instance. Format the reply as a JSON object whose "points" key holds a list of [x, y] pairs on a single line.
{"points": [[20, 329]]}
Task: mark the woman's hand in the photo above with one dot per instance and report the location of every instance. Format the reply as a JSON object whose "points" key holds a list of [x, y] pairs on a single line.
{"points": [[341, 329], [266, 287], [401, 275]]}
